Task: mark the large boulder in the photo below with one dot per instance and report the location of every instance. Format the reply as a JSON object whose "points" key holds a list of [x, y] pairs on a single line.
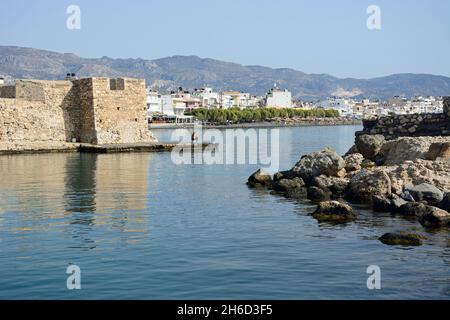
{"points": [[366, 184], [353, 162], [370, 145], [426, 192], [335, 212], [260, 178], [326, 162], [402, 239], [284, 185], [435, 218]]}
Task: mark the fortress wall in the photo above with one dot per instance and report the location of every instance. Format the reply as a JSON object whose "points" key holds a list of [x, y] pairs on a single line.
{"points": [[120, 110], [91, 110], [393, 127], [42, 111]]}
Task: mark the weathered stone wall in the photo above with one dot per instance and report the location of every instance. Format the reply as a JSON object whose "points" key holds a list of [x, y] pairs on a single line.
{"points": [[120, 110], [92, 110], [393, 127]]}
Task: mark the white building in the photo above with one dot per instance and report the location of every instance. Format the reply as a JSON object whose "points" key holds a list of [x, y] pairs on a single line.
{"points": [[207, 97], [2, 81], [154, 102], [277, 98]]}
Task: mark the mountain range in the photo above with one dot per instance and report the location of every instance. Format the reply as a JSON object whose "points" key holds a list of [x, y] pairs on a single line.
{"points": [[191, 72]]}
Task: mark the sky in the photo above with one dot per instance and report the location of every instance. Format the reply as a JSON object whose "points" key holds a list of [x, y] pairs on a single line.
{"points": [[314, 36]]}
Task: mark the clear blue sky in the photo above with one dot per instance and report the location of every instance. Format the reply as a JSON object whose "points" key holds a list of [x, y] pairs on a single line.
{"points": [[320, 36]]}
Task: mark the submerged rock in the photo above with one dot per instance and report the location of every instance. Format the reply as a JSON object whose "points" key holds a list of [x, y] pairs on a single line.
{"points": [[335, 212], [402, 239], [260, 178], [324, 162], [426, 192]]}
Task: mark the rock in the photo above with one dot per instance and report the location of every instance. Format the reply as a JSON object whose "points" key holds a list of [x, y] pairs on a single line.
{"points": [[426, 192], [402, 239], [366, 164], [326, 162], [381, 204], [260, 178], [445, 203], [334, 211], [368, 183], [407, 197], [435, 218], [337, 186], [403, 149], [283, 175], [396, 203], [353, 162], [387, 204], [297, 193], [316, 194], [413, 209], [285, 185], [439, 151], [369, 145]]}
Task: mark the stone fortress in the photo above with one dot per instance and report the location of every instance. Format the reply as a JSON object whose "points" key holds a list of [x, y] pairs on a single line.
{"points": [[96, 111]]}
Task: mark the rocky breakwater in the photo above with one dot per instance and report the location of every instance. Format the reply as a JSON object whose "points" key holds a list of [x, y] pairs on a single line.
{"points": [[405, 176]]}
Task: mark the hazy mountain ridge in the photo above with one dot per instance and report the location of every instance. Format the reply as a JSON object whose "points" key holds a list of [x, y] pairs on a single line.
{"points": [[191, 72]]}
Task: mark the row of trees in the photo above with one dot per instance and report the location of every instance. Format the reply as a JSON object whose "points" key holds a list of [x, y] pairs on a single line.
{"points": [[236, 115]]}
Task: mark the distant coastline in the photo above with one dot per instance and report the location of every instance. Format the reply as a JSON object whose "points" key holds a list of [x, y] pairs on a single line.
{"points": [[279, 123]]}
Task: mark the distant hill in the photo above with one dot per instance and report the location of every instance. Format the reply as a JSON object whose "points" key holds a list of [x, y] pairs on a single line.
{"points": [[192, 72]]}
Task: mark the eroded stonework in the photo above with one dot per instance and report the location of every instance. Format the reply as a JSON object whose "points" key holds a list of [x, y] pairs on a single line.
{"points": [[91, 110]]}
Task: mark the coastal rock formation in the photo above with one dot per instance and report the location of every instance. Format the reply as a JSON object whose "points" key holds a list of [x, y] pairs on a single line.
{"points": [[406, 176], [260, 178], [402, 239], [335, 212], [312, 165]]}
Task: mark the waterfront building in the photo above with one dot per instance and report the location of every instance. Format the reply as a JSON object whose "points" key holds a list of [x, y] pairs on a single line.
{"points": [[2, 81], [278, 98]]}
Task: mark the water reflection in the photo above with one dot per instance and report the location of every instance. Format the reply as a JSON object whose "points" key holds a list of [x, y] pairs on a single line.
{"points": [[87, 196]]}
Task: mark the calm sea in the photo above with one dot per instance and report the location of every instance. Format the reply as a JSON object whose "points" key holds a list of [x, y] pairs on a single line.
{"points": [[141, 227]]}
